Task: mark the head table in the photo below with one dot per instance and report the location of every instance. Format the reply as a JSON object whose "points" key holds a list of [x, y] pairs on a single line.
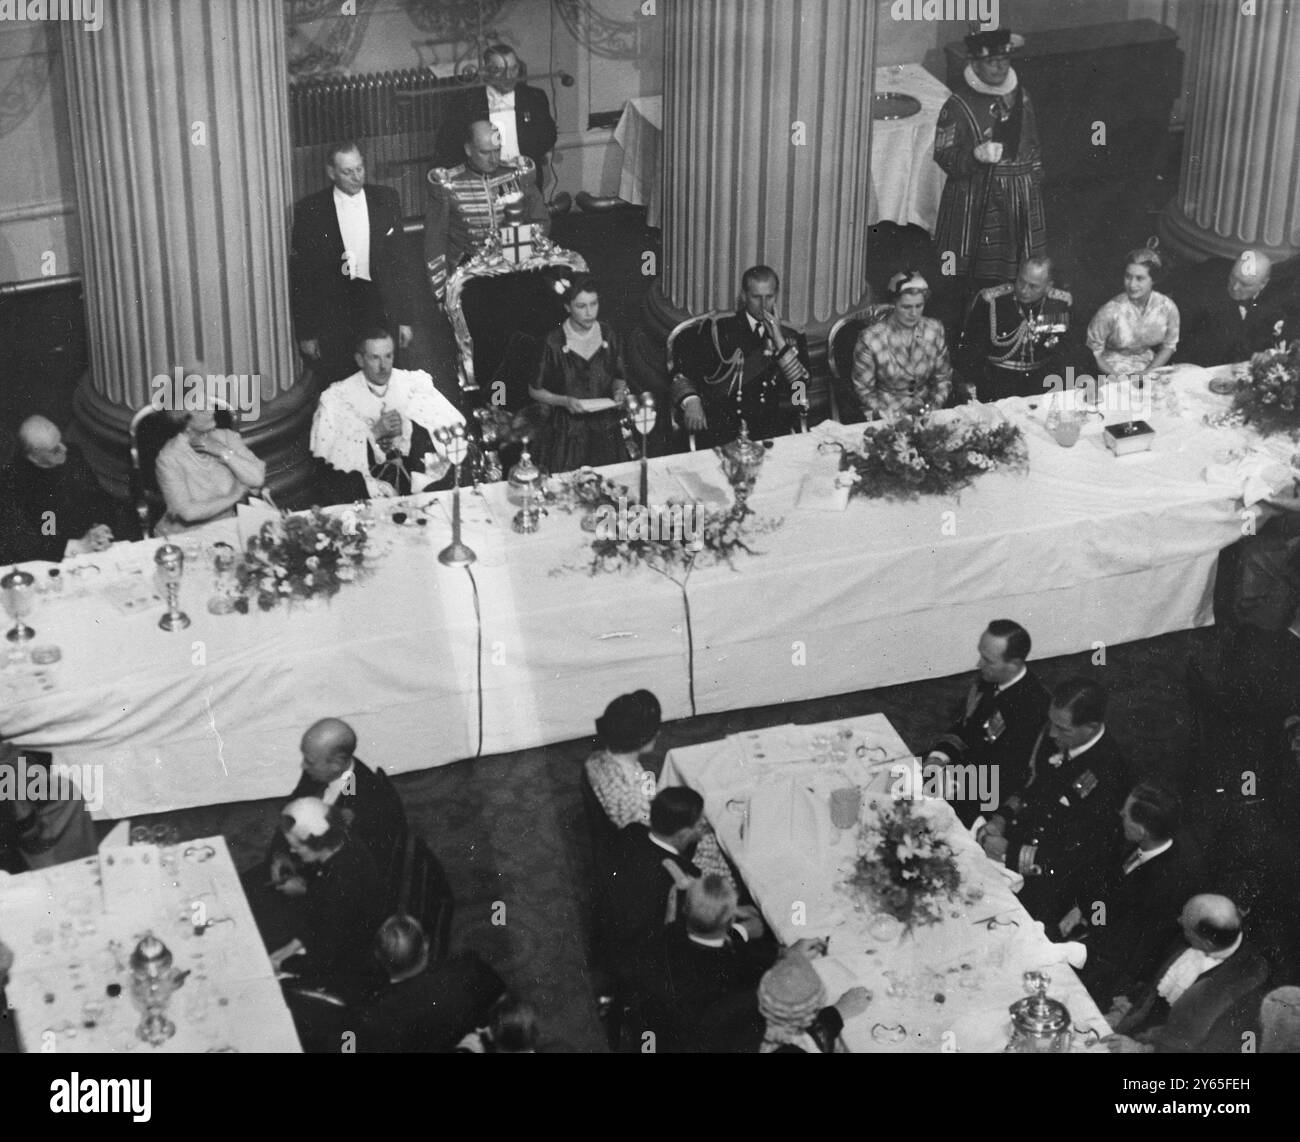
{"points": [[433, 664], [942, 987], [72, 929]]}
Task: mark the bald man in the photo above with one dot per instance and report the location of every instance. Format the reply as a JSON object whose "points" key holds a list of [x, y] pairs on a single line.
{"points": [[57, 507], [1204, 997], [1224, 325]]}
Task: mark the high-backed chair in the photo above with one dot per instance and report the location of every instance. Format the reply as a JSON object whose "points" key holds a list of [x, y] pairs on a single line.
{"points": [[845, 406], [393, 863], [681, 341], [429, 899]]}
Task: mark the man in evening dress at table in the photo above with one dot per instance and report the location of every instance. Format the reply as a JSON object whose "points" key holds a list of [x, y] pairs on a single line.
{"points": [[991, 214], [999, 721], [348, 265], [1230, 312], [742, 367], [640, 895], [1064, 821], [341, 895], [57, 506], [423, 1008], [373, 430], [521, 113], [1127, 909], [1204, 996], [1016, 335]]}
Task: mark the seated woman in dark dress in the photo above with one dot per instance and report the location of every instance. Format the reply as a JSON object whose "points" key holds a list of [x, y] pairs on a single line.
{"points": [[581, 366]]}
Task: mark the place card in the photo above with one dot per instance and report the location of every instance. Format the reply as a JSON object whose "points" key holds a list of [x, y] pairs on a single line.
{"points": [[822, 492]]}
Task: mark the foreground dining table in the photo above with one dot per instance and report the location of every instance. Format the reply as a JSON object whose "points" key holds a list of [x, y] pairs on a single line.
{"points": [[941, 987], [434, 664], [73, 927]]}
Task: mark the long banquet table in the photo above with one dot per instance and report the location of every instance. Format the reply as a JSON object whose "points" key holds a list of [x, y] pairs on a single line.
{"points": [[942, 987], [1083, 549], [72, 929]]}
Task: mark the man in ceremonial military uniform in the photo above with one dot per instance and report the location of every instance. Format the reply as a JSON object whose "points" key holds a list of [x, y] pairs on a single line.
{"points": [[998, 724], [468, 204], [1064, 821], [739, 367], [1015, 336]]}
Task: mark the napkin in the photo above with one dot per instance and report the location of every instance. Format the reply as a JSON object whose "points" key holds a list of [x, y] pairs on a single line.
{"points": [[786, 816], [1257, 474]]}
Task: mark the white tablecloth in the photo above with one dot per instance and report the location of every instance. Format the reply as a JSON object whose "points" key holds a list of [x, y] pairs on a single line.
{"points": [[1085, 549], [944, 987], [71, 939], [906, 182], [640, 134]]}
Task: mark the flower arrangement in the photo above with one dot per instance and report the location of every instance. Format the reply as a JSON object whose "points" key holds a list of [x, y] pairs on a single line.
{"points": [[910, 456], [902, 868], [1268, 397], [297, 557]]}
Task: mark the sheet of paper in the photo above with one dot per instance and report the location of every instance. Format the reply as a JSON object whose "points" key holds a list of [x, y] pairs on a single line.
{"points": [[249, 518], [596, 404], [819, 492]]}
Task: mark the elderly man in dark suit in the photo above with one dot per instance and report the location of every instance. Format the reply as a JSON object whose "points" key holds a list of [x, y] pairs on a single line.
{"points": [[999, 720], [741, 367], [1061, 823], [521, 113], [1205, 994], [55, 505], [348, 270], [1127, 910], [1225, 325]]}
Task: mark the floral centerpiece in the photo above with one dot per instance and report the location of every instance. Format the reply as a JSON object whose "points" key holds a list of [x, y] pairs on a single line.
{"points": [[1268, 397], [299, 557], [903, 868], [907, 457]]}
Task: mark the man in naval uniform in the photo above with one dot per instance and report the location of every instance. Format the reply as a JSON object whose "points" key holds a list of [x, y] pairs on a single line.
{"points": [[1016, 334]]}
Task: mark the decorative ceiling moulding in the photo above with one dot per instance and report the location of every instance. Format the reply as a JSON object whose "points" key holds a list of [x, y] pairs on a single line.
{"points": [[600, 34]]}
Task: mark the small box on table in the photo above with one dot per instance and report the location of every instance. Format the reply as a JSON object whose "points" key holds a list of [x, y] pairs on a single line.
{"points": [[1129, 436]]}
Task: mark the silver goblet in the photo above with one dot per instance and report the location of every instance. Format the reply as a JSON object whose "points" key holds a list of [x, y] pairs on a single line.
{"points": [[169, 563], [18, 594]]}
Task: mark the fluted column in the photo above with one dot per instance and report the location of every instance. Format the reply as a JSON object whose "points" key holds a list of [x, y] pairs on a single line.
{"points": [[1236, 189], [181, 148], [767, 154]]}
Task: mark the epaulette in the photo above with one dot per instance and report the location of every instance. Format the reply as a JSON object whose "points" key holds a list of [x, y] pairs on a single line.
{"points": [[445, 176], [993, 292], [1061, 295]]}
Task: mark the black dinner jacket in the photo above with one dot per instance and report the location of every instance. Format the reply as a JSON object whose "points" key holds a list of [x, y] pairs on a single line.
{"points": [[70, 494], [1213, 330], [373, 811], [1210, 1016], [634, 903], [341, 913], [1013, 718], [319, 287], [432, 1011], [1141, 917], [533, 125]]}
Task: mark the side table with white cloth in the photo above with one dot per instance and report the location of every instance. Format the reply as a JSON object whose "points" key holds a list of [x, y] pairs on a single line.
{"points": [[941, 987], [72, 929], [906, 182]]}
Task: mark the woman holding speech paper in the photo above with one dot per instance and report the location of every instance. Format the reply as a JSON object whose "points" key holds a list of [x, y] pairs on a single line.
{"points": [[581, 386]]}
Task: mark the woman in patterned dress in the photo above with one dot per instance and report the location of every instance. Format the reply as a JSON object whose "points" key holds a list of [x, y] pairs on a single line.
{"points": [[581, 361], [1137, 330], [901, 364]]}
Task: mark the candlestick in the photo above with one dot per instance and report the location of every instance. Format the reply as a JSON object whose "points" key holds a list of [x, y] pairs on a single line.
{"points": [[170, 563]]}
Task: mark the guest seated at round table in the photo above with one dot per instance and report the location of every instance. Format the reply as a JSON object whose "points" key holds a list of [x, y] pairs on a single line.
{"points": [[1136, 330], [901, 364], [203, 473], [581, 362]]}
